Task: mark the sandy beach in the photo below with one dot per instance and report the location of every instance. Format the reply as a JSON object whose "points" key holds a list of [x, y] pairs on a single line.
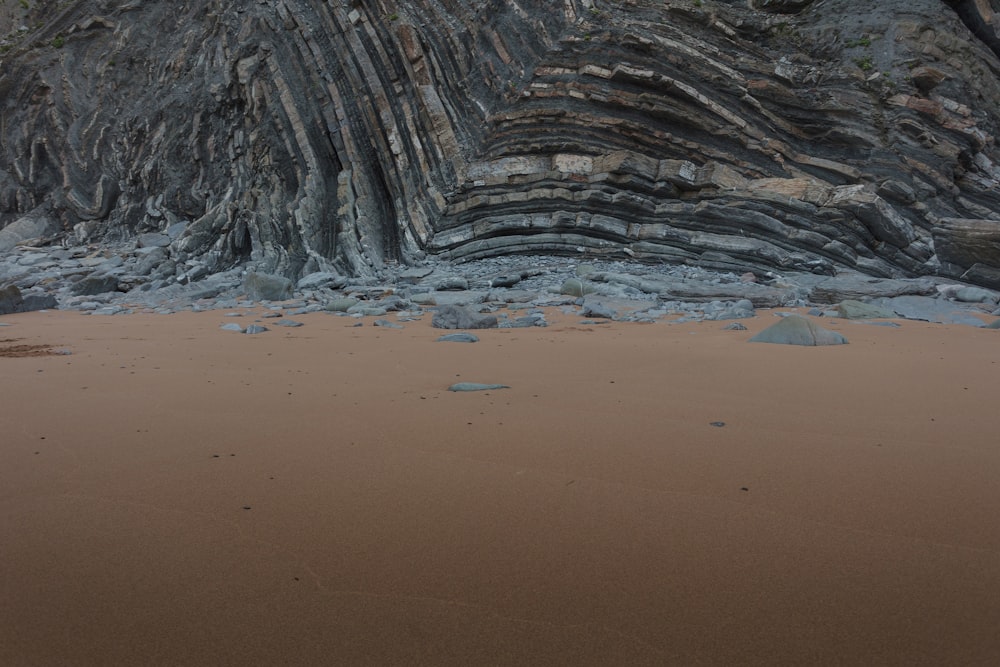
{"points": [[642, 494]]}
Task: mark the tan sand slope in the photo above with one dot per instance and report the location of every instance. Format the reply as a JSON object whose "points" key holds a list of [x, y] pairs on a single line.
{"points": [[175, 494]]}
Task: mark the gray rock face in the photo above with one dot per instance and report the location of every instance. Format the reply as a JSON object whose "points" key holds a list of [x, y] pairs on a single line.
{"points": [[713, 135], [798, 330], [457, 317]]}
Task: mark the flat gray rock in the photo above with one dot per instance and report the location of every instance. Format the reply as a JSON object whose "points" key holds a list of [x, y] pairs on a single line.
{"points": [[287, 323], [475, 386], [929, 309], [457, 317], [851, 309], [597, 308], [798, 330], [232, 326], [387, 324], [255, 329], [467, 338], [321, 279]]}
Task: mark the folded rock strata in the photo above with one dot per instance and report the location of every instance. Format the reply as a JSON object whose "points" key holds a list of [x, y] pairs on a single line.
{"points": [[306, 136]]}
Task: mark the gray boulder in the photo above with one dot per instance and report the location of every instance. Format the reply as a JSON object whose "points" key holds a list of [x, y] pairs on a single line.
{"points": [[798, 330], [267, 287], [457, 317], [10, 300], [33, 225], [850, 309], [153, 240], [92, 285], [597, 308], [975, 295], [321, 279], [575, 287], [341, 305], [38, 302]]}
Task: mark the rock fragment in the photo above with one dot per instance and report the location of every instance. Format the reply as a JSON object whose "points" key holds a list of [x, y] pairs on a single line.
{"points": [[798, 330]]}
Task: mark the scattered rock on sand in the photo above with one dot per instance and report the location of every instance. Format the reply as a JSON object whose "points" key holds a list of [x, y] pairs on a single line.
{"points": [[457, 317], [255, 329], [597, 308], [475, 386], [467, 338], [798, 330], [232, 326]]}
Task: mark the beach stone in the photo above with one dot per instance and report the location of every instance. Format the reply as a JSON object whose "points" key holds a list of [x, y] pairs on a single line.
{"points": [[38, 302], [533, 320], [475, 386], [366, 310], [387, 324], [457, 317], [798, 330], [575, 287], [452, 283], [92, 285], [467, 338], [734, 326], [255, 329], [928, 309], [851, 309], [975, 295], [288, 323], [321, 279], [267, 287], [153, 240], [414, 275], [341, 305], [10, 300], [596, 308], [505, 280], [423, 299], [149, 261], [232, 326]]}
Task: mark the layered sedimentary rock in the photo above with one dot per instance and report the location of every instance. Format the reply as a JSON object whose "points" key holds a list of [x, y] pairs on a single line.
{"points": [[310, 135]]}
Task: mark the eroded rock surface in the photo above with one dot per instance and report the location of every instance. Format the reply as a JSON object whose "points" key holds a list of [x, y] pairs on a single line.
{"points": [[307, 137]]}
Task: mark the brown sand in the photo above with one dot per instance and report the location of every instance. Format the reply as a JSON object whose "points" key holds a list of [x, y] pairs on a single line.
{"points": [[175, 494]]}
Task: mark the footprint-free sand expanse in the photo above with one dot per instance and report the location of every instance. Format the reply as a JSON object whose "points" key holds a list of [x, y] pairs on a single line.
{"points": [[175, 494]]}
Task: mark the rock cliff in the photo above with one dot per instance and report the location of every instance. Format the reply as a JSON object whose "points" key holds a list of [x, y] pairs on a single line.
{"points": [[345, 135]]}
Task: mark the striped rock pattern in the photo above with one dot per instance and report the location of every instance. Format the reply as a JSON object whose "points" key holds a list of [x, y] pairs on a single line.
{"points": [[342, 135]]}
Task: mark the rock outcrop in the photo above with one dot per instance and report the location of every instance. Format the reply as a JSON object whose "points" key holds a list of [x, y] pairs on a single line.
{"points": [[302, 136]]}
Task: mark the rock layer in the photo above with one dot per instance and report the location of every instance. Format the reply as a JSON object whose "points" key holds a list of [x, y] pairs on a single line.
{"points": [[303, 136]]}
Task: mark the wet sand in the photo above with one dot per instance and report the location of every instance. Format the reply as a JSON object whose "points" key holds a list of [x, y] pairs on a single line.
{"points": [[175, 494]]}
